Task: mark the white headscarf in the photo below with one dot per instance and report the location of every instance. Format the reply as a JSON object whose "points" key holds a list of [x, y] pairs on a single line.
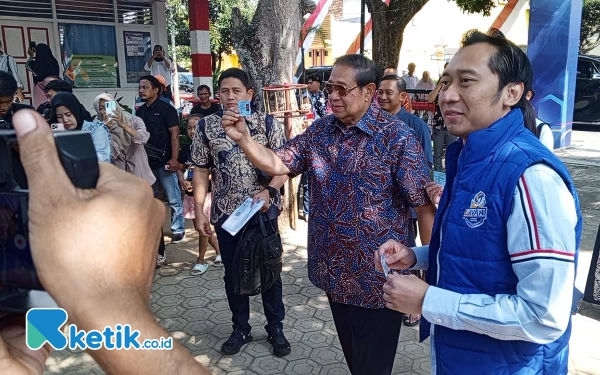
{"points": [[120, 137]]}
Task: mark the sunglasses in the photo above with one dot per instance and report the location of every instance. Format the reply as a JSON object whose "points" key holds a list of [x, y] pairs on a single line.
{"points": [[341, 89]]}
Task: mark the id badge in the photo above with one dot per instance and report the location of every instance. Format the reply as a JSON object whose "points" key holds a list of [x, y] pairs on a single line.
{"points": [[244, 108]]}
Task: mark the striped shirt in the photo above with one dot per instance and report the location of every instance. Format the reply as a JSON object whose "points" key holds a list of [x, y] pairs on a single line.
{"points": [[541, 243], [9, 65]]}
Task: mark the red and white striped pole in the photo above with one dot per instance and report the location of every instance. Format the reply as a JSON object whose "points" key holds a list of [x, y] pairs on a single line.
{"points": [[200, 43]]}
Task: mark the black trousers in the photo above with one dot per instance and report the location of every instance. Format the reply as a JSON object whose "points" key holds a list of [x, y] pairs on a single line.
{"points": [[240, 305], [369, 337]]}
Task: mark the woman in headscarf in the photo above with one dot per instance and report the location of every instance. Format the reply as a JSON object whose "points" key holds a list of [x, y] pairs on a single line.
{"points": [[66, 109], [41, 64], [128, 137]]}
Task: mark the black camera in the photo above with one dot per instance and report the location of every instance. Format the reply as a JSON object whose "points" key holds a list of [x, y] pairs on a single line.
{"points": [[20, 288], [5, 125]]}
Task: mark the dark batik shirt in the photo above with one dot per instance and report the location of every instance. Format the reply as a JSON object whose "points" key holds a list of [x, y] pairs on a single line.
{"points": [[234, 178], [363, 181]]}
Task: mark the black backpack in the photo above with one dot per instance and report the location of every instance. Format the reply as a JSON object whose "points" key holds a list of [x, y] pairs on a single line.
{"points": [[258, 258]]}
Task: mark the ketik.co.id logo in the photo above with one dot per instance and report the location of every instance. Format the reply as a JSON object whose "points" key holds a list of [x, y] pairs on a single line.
{"points": [[44, 326]]}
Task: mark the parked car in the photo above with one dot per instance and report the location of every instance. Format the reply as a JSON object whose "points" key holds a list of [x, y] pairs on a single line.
{"points": [[186, 83], [322, 71], [587, 91]]}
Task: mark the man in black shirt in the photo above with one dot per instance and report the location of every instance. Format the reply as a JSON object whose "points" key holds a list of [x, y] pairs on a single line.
{"points": [[8, 89], [205, 107], [52, 86], [162, 122]]}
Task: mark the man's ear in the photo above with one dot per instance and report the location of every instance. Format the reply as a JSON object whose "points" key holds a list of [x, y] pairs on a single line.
{"points": [[514, 92], [403, 96], [370, 89], [250, 94]]}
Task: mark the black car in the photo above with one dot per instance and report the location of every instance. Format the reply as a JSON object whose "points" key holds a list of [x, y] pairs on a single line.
{"points": [[587, 91], [322, 71]]}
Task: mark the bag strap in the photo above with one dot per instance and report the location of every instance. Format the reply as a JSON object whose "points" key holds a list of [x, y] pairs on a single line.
{"points": [[8, 57], [262, 225], [540, 126]]}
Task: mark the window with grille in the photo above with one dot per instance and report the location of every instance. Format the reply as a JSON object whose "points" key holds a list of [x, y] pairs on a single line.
{"points": [[139, 13], [26, 8], [85, 10]]}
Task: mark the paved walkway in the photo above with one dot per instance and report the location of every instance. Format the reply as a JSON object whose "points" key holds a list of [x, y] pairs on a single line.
{"points": [[194, 309]]}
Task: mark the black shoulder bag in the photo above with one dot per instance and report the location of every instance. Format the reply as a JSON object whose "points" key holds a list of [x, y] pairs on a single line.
{"points": [[258, 258]]}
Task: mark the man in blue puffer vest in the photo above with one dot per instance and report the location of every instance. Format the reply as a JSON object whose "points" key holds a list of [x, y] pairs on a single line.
{"points": [[503, 253]]}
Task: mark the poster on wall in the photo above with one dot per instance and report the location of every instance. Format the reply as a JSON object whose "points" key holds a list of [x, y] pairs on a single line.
{"points": [[138, 49], [134, 43], [92, 71]]}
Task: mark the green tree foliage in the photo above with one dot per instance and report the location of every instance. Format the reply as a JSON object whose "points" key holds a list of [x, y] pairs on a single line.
{"points": [[221, 25], [220, 12], [590, 26]]}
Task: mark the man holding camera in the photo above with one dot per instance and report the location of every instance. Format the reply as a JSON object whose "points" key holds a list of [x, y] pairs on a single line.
{"points": [[8, 89], [106, 285], [235, 179], [160, 64]]}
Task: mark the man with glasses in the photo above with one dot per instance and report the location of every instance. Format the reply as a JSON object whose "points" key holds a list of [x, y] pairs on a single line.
{"points": [[205, 107], [366, 171]]}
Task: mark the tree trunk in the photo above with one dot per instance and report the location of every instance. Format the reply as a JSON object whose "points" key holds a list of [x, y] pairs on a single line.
{"points": [[389, 22], [267, 49]]}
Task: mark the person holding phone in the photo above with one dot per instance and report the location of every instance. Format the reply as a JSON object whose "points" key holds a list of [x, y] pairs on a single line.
{"points": [[66, 109], [128, 137], [160, 64]]}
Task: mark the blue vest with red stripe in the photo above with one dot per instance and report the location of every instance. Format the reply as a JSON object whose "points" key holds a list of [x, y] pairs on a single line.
{"points": [[481, 178]]}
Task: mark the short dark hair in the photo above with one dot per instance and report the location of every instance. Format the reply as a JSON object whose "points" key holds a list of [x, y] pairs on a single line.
{"points": [[236, 73], [202, 87], [8, 84], [400, 82], [58, 85], [153, 81], [509, 63], [315, 78], [366, 70], [159, 46]]}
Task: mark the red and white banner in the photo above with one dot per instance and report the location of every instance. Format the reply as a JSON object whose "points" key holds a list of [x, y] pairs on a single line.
{"points": [[315, 20]]}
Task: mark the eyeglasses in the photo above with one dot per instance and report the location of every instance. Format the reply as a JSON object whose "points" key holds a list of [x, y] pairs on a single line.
{"points": [[341, 89]]}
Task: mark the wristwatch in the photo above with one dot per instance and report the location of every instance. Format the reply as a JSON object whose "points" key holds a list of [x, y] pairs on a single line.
{"points": [[272, 191]]}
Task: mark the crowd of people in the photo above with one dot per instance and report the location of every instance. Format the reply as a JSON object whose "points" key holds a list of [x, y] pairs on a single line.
{"points": [[499, 261]]}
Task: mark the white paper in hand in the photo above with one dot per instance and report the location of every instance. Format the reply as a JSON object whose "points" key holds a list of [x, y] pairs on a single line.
{"points": [[384, 265], [242, 215]]}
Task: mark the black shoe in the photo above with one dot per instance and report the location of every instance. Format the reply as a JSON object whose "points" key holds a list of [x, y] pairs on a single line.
{"points": [[235, 342], [281, 346], [177, 237]]}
